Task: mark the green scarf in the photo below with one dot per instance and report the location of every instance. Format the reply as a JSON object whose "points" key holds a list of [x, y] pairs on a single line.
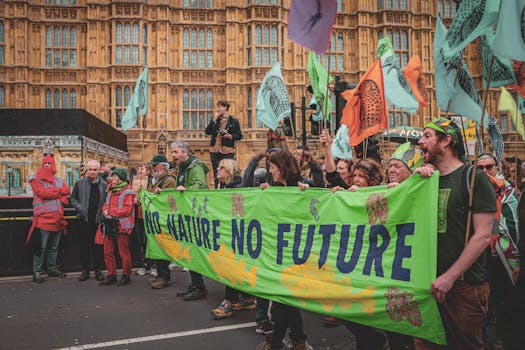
{"points": [[119, 186]]}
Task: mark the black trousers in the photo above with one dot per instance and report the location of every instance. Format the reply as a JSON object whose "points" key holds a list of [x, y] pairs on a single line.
{"points": [[88, 249], [284, 317], [163, 269], [215, 158]]}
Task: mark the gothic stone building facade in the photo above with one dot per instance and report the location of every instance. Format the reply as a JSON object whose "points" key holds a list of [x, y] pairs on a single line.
{"points": [[89, 54]]}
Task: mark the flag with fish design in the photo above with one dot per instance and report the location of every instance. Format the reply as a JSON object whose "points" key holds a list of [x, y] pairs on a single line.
{"points": [[367, 256], [365, 109], [272, 98], [472, 19], [510, 31], [455, 90]]}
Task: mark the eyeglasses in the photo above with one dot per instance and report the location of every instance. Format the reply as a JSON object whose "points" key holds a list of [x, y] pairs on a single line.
{"points": [[489, 167]]}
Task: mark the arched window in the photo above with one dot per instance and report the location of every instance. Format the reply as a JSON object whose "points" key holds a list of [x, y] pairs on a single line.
{"points": [[49, 99], [60, 48], [400, 42], [128, 44], [56, 99], [64, 99], [119, 107], [333, 60], [73, 99], [2, 43], [266, 46], [185, 108], [250, 108]]}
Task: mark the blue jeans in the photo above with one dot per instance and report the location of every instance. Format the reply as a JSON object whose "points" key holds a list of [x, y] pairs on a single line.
{"points": [[48, 251]]}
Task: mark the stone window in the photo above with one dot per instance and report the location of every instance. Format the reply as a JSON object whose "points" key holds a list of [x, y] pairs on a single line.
{"points": [[398, 117], [61, 2], [334, 59], [122, 96], [128, 45], [61, 47], [197, 108], [264, 48], [392, 4], [447, 8], [61, 98], [197, 48], [198, 4], [2, 97], [2, 43], [399, 40]]}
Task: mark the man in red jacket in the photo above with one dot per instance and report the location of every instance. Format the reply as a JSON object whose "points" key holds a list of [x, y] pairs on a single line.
{"points": [[49, 195]]}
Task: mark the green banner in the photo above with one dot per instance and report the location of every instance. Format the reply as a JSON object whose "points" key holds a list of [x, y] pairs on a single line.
{"points": [[367, 256]]}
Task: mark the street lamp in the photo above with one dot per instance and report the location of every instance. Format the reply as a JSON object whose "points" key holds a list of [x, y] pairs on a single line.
{"points": [[9, 174]]}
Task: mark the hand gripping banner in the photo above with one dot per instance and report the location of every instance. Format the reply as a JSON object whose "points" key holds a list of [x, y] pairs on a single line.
{"points": [[367, 256]]}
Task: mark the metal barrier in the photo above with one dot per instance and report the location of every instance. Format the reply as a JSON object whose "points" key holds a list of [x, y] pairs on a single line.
{"points": [[15, 221]]}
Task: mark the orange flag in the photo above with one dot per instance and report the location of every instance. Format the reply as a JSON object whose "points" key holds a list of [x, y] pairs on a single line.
{"points": [[414, 75], [365, 110]]}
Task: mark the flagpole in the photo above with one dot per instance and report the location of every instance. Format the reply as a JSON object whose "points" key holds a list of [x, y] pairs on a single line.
{"points": [[476, 152], [143, 132]]}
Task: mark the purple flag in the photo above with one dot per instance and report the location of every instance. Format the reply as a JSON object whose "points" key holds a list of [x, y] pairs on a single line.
{"points": [[310, 23]]}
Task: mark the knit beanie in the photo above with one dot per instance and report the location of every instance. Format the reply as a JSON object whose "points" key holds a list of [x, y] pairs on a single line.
{"points": [[408, 155], [121, 173]]}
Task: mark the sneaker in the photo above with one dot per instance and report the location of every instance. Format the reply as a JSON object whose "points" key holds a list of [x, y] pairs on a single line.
{"points": [[110, 279], [173, 267], [141, 271], [196, 294], [188, 290], [265, 328], [160, 283], [99, 276], [124, 280], [244, 304], [84, 276], [56, 273], [154, 273], [330, 321], [299, 345], [185, 269], [222, 311], [37, 277]]}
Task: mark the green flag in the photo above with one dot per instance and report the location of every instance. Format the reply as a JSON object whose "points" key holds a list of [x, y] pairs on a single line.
{"points": [[510, 31], [319, 79], [455, 90], [397, 89], [341, 145], [368, 256], [502, 71], [138, 104], [272, 98], [473, 18]]}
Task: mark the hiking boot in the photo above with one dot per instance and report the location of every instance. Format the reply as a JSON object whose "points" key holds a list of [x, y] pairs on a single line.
{"points": [[99, 276], [124, 280], [196, 294], [330, 321], [141, 271], [110, 279], [160, 283], [37, 277], [83, 276], [265, 328], [299, 345], [244, 304], [222, 311], [268, 346], [56, 273], [152, 279], [154, 272], [182, 293]]}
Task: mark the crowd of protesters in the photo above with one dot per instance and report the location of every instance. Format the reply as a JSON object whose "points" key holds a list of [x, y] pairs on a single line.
{"points": [[481, 306]]}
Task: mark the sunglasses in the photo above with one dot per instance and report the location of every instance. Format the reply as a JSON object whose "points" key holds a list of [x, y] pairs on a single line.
{"points": [[489, 167]]}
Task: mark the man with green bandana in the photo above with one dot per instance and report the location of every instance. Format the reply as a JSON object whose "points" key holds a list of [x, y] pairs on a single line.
{"points": [[461, 287]]}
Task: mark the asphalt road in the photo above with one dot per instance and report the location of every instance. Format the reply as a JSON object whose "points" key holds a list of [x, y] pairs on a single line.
{"points": [[67, 314]]}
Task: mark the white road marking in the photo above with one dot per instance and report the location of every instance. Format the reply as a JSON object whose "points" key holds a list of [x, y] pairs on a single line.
{"points": [[159, 337]]}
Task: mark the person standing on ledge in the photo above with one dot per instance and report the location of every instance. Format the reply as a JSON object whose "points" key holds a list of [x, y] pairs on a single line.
{"points": [[224, 130]]}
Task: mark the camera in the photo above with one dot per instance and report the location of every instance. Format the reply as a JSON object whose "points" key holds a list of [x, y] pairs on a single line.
{"points": [[109, 226], [223, 132]]}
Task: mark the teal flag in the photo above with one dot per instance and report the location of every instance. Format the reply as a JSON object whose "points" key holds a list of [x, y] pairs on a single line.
{"points": [[367, 256], [341, 145], [319, 79], [510, 31], [138, 104], [272, 98], [454, 94], [502, 71], [397, 88], [384, 45], [472, 19]]}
